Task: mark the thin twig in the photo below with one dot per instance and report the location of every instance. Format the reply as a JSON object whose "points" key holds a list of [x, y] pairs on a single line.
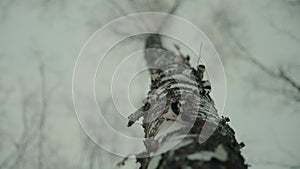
{"points": [[176, 5], [283, 75], [43, 114], [245, 54], [283, 31]]}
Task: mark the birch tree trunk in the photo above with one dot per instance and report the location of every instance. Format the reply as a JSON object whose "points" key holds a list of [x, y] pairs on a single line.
{"points": [[179, 100]]}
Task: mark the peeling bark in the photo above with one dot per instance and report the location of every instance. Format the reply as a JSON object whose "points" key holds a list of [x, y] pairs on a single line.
{"points": [[180, 97]]}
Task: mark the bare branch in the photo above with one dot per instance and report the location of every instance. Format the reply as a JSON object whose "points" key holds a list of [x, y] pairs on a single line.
{"points": [[243, 53], [279, 75], [292, 82], [176, 5], [283, 31], [43, 114]]}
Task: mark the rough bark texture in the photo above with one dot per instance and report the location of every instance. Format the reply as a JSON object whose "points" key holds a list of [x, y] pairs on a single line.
{"points": [[180, 97]]}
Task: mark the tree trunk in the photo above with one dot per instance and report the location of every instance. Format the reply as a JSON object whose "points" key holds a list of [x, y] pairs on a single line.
{"points": [[179, 97]]}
